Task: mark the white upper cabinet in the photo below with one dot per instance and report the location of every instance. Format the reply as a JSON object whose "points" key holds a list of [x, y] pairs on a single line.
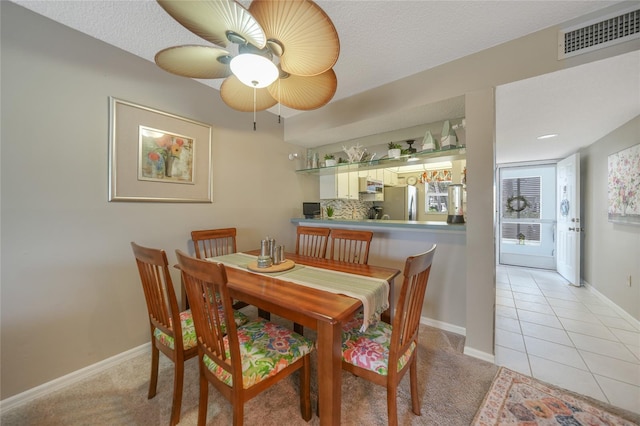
{"points": [[390, 178], [343, 186]]}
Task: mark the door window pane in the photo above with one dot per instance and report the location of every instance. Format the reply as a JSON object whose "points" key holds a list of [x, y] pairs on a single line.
{"points": [[521, 198]]}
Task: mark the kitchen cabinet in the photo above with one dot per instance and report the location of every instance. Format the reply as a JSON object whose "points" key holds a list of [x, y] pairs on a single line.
{"points": [[387, 177], [343, 186], [390, 178]]}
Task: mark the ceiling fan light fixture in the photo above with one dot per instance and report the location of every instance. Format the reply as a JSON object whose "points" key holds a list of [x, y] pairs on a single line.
{"points": [[254, 70]]}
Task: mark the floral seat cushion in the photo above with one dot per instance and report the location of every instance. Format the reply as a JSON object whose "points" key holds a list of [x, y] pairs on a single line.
{"points": [[265, 348], [189, 331], [370, 349]]}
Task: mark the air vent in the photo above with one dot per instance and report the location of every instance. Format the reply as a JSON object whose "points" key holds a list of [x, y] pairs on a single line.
{"points": [[598, 34]]}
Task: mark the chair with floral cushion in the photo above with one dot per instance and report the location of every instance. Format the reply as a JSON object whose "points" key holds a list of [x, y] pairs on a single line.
{"points": [[166, 321], [249, 358], [369, 354], [162, 306]]}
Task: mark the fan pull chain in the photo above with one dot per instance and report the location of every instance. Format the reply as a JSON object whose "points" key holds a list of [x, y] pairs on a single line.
{"points": [[279, 103], [254, 108]]}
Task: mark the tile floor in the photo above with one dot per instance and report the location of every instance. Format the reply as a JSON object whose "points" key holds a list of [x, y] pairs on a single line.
{"points": [[567, 336]]}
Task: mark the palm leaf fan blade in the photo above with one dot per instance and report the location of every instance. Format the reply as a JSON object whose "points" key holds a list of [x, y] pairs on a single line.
{"points": [[305, 93], [211, 19], [309, 39], [240, 97], [193, 61]]}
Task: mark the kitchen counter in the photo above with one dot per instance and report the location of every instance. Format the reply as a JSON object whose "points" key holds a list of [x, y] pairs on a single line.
{"points": [[397, 225]]}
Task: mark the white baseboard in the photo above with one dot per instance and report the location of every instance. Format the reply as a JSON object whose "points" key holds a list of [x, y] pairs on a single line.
{"points": [[443, 326], [71, 378], [480, 355], [458, 330], [624, 314]]}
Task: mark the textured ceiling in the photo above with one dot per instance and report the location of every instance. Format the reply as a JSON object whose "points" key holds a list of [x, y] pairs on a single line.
{"points": [[381, 41], [375, 36]]}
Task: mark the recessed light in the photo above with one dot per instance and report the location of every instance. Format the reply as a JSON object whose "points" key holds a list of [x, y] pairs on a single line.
{"points": [[549, 136]]}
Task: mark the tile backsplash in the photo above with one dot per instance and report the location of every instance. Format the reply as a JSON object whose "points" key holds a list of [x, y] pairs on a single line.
{"points": [[347, 209]]}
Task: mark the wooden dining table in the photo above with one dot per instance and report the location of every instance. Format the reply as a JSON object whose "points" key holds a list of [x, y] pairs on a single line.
{"points": [[320, 310]]}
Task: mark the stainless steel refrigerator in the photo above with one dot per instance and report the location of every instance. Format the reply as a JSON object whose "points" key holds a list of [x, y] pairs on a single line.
{"points": [[400, 202]]}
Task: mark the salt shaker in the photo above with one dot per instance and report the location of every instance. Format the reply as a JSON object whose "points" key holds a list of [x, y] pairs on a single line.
{"points": [[276, 256], [272, 247], [264, 248]]}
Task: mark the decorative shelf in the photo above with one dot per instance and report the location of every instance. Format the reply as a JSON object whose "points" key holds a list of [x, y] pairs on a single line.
{"points": [[422, 157]]}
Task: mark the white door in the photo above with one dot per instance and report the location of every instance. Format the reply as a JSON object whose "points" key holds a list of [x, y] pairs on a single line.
{"points": [[568, 218]]}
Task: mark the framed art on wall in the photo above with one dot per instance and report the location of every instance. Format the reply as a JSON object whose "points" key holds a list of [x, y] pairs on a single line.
{"points": [[164, 156], [623, 186], [156, 156]]}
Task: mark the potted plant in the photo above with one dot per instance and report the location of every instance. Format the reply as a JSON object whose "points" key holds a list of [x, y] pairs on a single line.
{"points": [[329, 211], [329, 160], [394, 150]]}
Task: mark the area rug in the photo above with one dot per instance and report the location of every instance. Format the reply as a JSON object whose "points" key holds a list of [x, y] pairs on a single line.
{"points": [[516, 399]]}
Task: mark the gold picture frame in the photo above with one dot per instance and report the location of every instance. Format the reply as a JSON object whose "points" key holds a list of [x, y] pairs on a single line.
{"points": [[155, 156]]}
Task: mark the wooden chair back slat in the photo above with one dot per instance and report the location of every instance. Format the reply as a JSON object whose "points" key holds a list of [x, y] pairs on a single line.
{"points": [[350, 245], [214, 242], [312, 241]]}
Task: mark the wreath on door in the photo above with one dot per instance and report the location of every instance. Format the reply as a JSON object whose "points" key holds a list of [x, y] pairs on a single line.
{"points": [[517, 203]]}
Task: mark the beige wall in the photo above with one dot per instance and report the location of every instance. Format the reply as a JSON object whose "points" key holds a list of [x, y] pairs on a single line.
{"points": [[480, 302], [70, 292], [610, 250]]}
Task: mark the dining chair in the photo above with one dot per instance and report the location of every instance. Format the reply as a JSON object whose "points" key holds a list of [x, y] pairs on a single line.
{"points": [[247, 359], [312, 241], [349, 245], [214, 242], [172, 331], [383, 353], [211, 243], [346, 246]]}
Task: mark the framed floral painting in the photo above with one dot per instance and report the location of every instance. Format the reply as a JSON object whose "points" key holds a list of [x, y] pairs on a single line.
{"points": [[164, 156], [623, 186], [157, 156]]}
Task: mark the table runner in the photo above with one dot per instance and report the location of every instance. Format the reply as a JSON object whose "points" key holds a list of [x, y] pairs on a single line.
{"points": [[372, 292]]}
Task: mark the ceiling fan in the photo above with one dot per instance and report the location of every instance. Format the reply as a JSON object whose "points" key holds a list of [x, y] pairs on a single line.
{"points": [[276, 51]]}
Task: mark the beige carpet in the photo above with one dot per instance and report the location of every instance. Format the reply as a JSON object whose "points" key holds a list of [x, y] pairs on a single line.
{"points": [[452, 386]]}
